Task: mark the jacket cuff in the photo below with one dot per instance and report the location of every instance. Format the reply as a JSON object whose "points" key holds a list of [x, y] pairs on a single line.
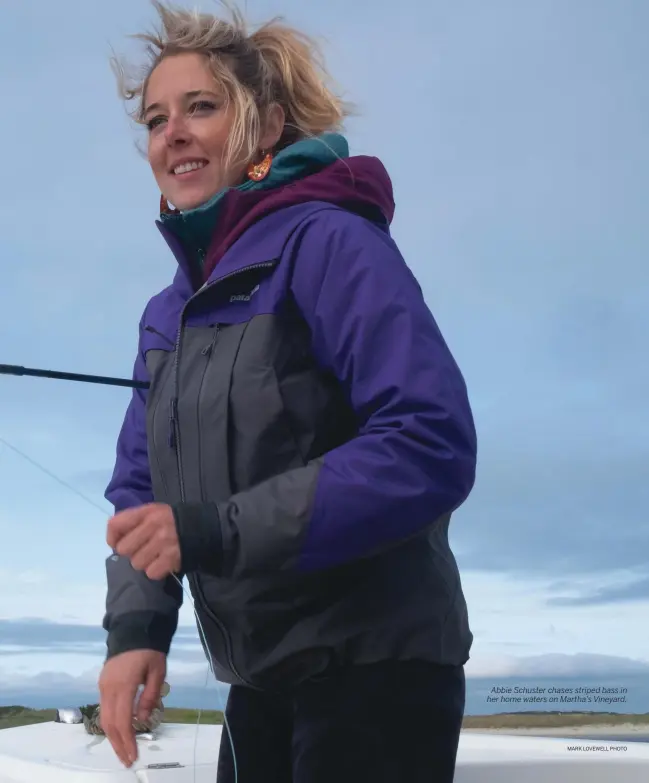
{"points": [[199, 533], [141, 631]]}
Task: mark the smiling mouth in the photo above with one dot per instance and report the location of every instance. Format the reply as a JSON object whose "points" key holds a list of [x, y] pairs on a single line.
{"points": [[186, 168]]}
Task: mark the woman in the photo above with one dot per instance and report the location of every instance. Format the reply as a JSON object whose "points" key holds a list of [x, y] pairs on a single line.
{"points": [[304, 440]]}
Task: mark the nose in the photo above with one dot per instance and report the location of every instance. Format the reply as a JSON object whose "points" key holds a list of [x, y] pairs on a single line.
{"points": [[176, 131]]}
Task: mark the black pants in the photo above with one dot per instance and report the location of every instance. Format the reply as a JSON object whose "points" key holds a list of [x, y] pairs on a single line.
{"points": [[393, 722]]}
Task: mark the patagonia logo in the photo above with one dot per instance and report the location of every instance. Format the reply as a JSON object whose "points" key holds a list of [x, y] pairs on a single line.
{"points": [[244, 297]]}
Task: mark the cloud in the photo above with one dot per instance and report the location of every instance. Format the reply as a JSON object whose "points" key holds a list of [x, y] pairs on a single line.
{"points": [[558, 491], [191, 686], [633, 591], [37, 635], [178, 676], [27, 577], [49, 680], [582, 665]]}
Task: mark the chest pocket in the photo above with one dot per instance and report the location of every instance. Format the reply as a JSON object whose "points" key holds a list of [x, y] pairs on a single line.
{"points": [[251, 433]]}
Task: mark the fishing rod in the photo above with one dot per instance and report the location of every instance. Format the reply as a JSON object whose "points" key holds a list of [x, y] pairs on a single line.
{"points": [[14, 369]]}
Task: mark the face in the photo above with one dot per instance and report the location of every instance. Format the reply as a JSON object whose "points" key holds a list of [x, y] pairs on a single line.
{"points": [[188, 128]]}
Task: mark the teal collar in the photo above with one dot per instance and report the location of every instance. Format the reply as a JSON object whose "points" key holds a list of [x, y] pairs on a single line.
{"points": [[195, 227]]}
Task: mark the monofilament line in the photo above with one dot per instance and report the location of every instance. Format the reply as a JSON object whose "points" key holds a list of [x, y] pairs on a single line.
{"points": [[107, 514]]}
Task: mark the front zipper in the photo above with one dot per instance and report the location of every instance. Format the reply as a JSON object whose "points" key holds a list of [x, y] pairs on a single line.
{"points": [[175, 442], [194, 578]]}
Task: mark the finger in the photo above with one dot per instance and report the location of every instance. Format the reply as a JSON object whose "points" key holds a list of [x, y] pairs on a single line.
{"points": [[107, 720], [136, 539], [145, 556], [106, 711], [123, 726], [161, 567], [123, 523], [150, 695]]}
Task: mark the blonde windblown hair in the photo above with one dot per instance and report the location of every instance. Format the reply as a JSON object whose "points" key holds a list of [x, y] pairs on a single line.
{"points": [[274, 64]]}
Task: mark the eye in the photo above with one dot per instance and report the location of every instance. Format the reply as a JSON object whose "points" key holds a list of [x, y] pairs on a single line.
{"points": [[202, 106], [154, 122]]}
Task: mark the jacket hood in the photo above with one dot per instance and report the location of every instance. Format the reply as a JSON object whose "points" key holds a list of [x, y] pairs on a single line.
{"points": [[359, 184], [306, 171]]}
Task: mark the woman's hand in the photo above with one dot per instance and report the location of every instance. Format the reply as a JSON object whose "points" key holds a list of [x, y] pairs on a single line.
{"points": [[147, 536], [118, 685]]}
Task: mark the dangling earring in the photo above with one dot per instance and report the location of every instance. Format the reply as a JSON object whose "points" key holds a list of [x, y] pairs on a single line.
{"points": [[165, 209], [259, 171]]}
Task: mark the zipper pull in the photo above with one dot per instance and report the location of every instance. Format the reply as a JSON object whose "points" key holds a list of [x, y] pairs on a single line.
{"points": [[173, 418], [210, 346]]}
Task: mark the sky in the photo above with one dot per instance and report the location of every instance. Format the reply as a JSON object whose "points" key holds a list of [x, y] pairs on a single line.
{"points": [[516, 138]]}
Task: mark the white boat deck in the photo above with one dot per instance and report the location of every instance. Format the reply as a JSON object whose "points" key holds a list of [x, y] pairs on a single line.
{"points": [[64, 753]]}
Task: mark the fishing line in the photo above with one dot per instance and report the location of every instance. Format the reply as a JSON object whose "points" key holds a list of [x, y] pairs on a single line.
{"points": [[186, 592], [53, 476]]}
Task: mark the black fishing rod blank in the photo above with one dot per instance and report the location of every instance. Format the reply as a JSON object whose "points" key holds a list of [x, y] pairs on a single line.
{"points": [[14, 369]]}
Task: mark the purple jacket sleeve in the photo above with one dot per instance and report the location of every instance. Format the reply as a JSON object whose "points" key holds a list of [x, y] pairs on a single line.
{"points": [[130, 485], [140, 613], [413, 460]]}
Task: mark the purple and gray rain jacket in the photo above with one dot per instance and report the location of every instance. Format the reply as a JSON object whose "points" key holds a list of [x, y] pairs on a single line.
{"points": [[311, 430]]}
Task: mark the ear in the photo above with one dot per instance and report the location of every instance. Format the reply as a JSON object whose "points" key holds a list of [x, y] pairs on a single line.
{"points": [[273, 127]]}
